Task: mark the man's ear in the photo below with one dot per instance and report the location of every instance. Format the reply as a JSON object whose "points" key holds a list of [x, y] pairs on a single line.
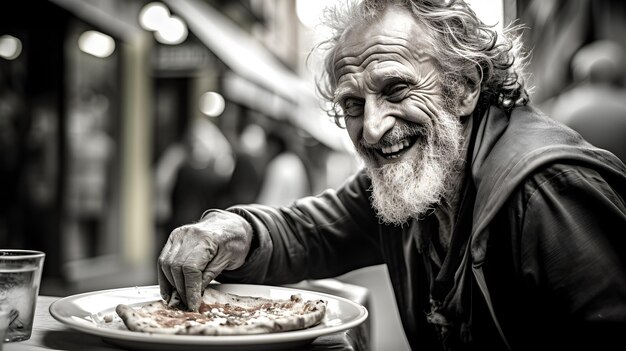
{"points": [[469, 101]]}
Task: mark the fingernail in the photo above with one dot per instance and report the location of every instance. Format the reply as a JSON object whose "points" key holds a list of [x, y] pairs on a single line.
{"points": [[194, 305]]}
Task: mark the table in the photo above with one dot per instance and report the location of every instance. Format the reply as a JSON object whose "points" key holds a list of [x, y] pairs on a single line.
{"points": [[49, 334]]}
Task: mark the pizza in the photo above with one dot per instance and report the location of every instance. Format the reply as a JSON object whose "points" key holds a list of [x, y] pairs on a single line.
{"points": [[223, 313]]}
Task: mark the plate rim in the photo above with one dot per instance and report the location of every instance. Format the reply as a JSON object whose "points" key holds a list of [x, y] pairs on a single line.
{"points": [[215, 340]]}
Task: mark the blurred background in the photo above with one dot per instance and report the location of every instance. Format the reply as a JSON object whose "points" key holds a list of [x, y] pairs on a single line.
{"points": [[123, 119]]}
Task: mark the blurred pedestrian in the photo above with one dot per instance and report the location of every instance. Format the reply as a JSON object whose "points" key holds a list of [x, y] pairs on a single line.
{"points": [[285, 178], [192, 175], [595, 105]]}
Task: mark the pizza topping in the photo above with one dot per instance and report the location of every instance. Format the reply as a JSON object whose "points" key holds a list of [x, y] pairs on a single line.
{"points": [[225, 314]]}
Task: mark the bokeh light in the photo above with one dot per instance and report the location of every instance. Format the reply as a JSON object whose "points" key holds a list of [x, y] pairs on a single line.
{"points": [[97, 44], [10, 47], [212, 104]]}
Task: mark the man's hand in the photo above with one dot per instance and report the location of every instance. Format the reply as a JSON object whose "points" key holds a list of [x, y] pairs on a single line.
{"points": [[195, 254]]}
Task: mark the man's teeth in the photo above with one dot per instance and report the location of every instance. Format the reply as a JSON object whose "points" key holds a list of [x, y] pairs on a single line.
{"points": [[386, 150]]}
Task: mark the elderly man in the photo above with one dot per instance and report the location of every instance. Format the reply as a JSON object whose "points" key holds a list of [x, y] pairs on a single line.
{"points": [[500, 228]]}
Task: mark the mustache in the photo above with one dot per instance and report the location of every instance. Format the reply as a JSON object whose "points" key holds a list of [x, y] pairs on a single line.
{"points": [[402, 130]]}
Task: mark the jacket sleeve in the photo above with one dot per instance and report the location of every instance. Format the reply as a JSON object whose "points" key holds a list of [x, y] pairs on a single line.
{"points": [[572, 248], [315, 237]]}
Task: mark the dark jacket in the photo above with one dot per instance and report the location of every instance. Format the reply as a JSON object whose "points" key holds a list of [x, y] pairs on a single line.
{"points": [[539, 246]]}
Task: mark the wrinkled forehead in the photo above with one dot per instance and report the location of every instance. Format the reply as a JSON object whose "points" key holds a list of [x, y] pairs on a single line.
{"points": [[396, 35]]}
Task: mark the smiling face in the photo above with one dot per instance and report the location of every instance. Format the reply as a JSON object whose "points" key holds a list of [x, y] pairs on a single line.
{"points": [[405, 130]]}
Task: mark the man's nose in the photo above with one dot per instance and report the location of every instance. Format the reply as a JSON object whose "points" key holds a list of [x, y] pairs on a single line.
{"points": [[376, 121]]}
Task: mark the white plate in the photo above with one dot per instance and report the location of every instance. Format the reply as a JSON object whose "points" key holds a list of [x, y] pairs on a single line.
{"points": [[87, 312]]}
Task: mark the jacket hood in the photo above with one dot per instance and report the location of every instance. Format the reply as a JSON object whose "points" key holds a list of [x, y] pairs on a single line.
{"points": [[511, 146]]}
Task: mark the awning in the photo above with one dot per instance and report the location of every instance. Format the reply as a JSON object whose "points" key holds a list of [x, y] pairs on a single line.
{"points": [[253, 62], [237, 49], [101, 18]]}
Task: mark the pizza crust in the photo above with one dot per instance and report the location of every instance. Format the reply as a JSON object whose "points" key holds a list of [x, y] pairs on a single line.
{"points": [[222, 313]]}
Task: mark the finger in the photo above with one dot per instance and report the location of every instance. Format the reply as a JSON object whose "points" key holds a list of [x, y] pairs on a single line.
{"points": [[172, 262], [165, 286], [212, 270], [193, 286], [176, 272], [199, 256], [168, 256]]}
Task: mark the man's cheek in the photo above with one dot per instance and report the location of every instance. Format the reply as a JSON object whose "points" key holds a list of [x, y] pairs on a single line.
{"points": [[354, 129]]}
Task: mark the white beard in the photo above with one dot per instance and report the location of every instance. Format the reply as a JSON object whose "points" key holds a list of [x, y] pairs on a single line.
{"points": [[410, 188]]}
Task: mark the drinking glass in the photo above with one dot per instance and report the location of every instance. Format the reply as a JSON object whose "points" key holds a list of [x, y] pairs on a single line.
{"points": [[20, 276]]}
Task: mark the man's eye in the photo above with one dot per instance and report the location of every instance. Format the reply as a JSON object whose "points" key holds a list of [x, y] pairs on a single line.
{"points": [[396, 92], [352, 107]]}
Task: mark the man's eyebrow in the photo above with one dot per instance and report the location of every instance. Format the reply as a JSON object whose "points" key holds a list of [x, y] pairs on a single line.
{"points": [[340, 92], [396, 75]]}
